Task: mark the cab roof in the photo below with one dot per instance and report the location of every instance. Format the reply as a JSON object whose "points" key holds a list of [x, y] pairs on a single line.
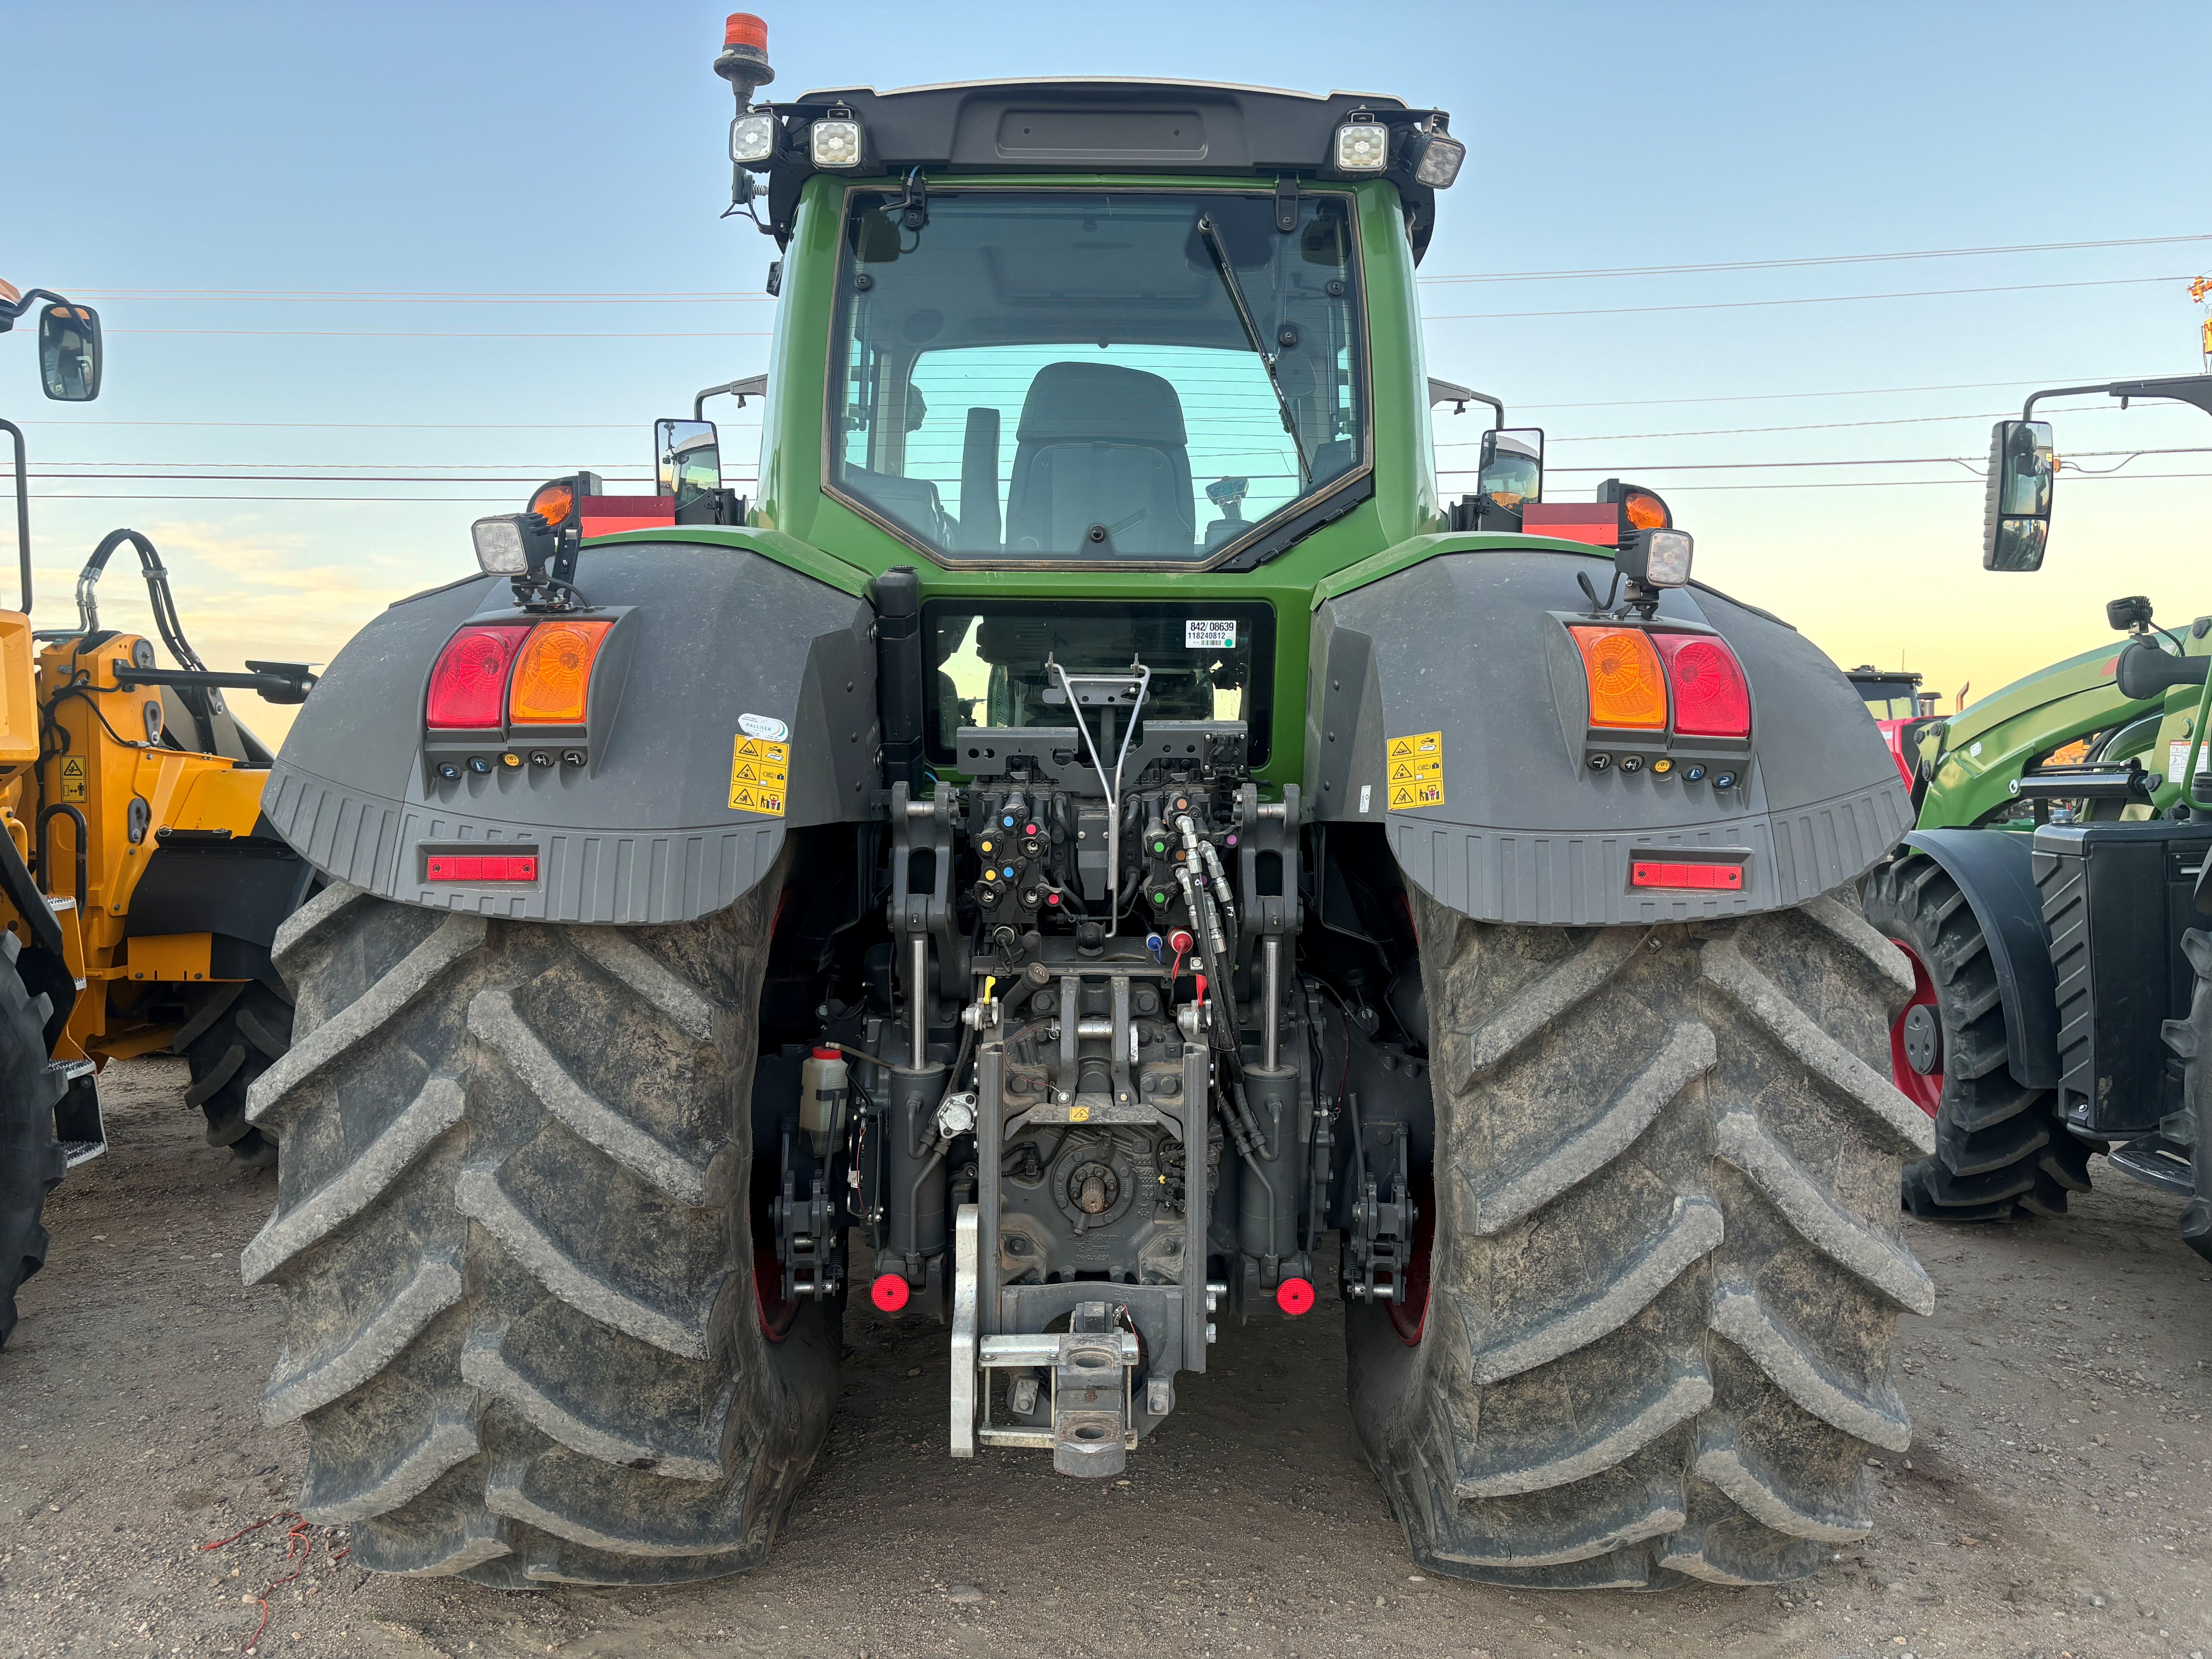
{"points": [[1107, 124]]}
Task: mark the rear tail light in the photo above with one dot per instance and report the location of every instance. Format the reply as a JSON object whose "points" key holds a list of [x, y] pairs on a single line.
{"points": [[1626, 688], [1712, 697], [554, 671], [468, 685]]}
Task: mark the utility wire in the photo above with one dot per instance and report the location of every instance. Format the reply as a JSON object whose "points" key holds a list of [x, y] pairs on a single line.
{"points": [[463, 334], [747, 420], [1809, 300], [400, 501], [1453, 316], [1803, 263], [717, 296]]}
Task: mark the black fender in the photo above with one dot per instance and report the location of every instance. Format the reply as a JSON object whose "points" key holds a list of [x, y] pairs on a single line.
{"points": [[718, 644], [1472, 643], [237, 889], [1995, 870]]}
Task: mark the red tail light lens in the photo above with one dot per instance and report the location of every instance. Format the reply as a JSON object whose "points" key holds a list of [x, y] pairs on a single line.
{"points": [[468, 685], [1712, 697]]}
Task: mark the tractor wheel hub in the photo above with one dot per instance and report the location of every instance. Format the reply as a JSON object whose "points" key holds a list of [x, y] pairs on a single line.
{"points": [[1923, 1040]]}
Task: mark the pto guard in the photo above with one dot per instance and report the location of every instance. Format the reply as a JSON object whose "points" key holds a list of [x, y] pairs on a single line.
{"points": [[1461, 644], [724, 643]]}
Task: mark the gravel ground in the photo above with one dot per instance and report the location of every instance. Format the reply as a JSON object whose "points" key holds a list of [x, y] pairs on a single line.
{"points": [[2054, 1501]]}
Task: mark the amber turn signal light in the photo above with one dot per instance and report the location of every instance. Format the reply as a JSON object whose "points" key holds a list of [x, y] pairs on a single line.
{"points": [[1627, 688], [553, 673], [554, 502]]}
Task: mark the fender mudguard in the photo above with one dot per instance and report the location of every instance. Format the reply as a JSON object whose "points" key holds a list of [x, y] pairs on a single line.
{"points": [[1995, 870], [238, 891], [718, 644], [1473, 645]]}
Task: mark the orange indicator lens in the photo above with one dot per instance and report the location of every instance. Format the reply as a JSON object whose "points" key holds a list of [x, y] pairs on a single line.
{"points": [[1647, 512], [1627, 687], [553, 672], [554, 501]]}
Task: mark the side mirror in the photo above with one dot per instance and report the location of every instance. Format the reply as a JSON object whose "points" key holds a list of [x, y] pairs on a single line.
{"points": [[69, 353], [1512, 467], [688, 458], [2016, 520]]}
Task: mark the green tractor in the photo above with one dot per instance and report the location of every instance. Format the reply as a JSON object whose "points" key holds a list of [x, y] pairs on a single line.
{"points": [[2049, 898], [1093, 851]]}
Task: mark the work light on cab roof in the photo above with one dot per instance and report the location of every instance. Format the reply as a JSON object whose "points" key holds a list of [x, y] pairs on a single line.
{"points": [[823, 133]]}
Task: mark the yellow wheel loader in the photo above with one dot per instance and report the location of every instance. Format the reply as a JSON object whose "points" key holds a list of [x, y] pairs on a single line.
{"points": [[139, 888]]}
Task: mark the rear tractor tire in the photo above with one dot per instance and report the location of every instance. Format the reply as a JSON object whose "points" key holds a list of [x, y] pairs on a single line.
{"points": [[2001, 1148], [2191, 1128], [238, 1031], [1665, 1265], [31, 1159], [515, 1244]]}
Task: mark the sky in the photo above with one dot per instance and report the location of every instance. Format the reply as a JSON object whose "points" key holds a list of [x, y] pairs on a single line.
{"points": [[180, 166]]}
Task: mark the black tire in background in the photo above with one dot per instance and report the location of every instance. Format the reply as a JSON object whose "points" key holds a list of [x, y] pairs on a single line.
{"points": [[2191, 1128], [514, 1243], [2000, 1148], [237, 1030], [31, 1160], [1666, 1265]]}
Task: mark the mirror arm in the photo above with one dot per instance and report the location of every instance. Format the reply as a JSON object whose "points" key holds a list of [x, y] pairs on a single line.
{"points": [[22, 511], [699, 403], [30, 296], [2195, 389], [1497, 406]]}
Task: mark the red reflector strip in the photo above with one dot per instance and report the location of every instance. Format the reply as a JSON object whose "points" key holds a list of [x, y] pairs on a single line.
{"points": [[1723, 877], [608, 515], [481, 866], [1598, 524]]}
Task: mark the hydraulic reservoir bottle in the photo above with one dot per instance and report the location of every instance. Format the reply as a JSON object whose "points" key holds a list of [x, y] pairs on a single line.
{"points": [[823, 1085]]}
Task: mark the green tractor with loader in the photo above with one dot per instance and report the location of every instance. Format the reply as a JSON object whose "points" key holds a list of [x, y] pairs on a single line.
{"points": [[2053, 898], [1093, 851]]}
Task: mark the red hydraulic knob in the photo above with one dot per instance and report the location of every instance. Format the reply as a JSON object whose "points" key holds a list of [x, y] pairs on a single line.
{"points": [[1295, 1297], [890, 1292]]}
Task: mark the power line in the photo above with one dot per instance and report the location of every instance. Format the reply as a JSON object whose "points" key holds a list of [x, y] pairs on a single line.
{"points": [[1809, 300], [1778, 397], [413, 297], [719, 296], [747, 420], [318, 477], [405, 426], [1803, 263], [463, 334], [403, 501], [1898, 460]]}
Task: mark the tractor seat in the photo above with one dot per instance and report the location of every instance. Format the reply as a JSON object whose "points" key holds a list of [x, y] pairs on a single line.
{"points": [[1099, 444]]}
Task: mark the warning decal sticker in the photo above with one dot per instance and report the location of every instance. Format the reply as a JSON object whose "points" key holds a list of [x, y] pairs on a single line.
{"points": [[1413, 771], [73, 777], [759, 770]]}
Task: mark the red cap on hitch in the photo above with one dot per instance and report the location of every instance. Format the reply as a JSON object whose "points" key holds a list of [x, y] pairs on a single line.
{"points": [[1295, 1297], [889, 1293]]}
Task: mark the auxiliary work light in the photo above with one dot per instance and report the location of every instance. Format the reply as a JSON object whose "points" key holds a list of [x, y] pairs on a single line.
{"points": [[1433, 156], [754, 140], [511, 544], [1363, 144], [1656, 558], [833, 142]]}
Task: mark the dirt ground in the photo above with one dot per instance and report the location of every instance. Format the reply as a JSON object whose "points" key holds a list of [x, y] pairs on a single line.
{"points": [[2054, 1502]]}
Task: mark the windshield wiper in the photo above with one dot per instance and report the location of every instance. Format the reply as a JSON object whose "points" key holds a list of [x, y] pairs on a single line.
{"points": [[1212, 235]]}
